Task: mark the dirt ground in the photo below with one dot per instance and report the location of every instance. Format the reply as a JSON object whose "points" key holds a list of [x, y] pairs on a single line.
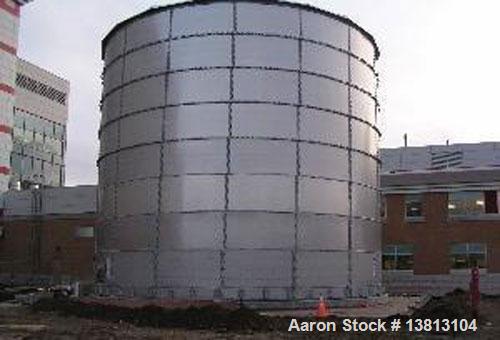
{"points": [[23, 322]]}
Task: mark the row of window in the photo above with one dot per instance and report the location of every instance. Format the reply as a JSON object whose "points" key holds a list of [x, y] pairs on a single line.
{"points": [[24, 121], [40, 88], [41, 149], [462, 256], [80, 232], [26, 169], [460, 203]]}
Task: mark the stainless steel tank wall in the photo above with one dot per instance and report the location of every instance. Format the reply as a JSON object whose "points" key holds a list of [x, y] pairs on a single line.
{"points": [[239, 154]]}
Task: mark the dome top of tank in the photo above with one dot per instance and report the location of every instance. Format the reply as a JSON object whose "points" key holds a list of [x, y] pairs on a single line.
{"points": [[310, 8]]}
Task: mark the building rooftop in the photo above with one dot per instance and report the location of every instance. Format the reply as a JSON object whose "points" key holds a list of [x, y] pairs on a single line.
{"points": [[441, 180], [22, 2], [440, 157]]}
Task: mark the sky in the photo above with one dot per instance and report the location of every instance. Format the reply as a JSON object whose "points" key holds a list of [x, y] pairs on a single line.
{"points": [[439, 69]]}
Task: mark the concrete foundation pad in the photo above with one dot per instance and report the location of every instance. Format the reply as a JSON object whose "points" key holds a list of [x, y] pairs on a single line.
{"points": [[380, 307]]}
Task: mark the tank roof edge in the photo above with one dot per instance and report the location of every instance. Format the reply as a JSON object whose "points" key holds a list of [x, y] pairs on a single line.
{"points": [[310, 8]]}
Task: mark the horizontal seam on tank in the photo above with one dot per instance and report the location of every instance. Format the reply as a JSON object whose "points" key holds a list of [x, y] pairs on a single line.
{"points": [[228, 68], [233, 211], [268, 174], [157, 108], [263, 211], [153, 109], [243, 34], [238, 138], [234, 249], [292, 140], [204, 287]]}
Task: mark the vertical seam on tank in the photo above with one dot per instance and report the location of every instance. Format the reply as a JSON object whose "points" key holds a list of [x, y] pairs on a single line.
{"points": [[118, 136], [118, 130], [297, 159], [156, 249], [378, 165], [228, 146], [350, 183]]}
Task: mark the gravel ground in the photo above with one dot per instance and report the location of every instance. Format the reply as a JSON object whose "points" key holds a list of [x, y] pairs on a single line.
{"points": [[21, 322]]}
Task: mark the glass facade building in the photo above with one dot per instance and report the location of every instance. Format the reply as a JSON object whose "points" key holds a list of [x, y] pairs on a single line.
{"points": [[38, 128], [37, 152]]}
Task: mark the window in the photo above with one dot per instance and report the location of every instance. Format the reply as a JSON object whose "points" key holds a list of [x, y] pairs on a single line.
{"points": [[59, 131], [56, 159], [85, 232], [468, 255], [54, 179], [16, 162], [18, 120], [413, 206], [27, 167], [472, 203], [17, 147], [46, 155], [28, 137], [39, 138], [18, 133], [62, 173], [491, 205], [55, 146], [37, 165], [383, 206], [38, 128], [48, 128], [399, 257], [29, 122]]}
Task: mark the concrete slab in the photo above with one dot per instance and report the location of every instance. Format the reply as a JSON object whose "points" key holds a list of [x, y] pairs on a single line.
{"points": [[369, 308]]}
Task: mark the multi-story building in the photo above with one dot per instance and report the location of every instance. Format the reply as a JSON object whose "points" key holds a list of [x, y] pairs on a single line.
{"points": [[9, 29], [440, 221], [33, 113], [39, 132]]}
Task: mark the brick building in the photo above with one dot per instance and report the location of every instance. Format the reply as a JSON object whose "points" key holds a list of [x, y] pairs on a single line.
{"points": [[440, 222], [48, 234]]}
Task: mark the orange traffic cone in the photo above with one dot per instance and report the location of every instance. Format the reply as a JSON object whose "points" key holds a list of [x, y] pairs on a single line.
{"points": [[322, 310]]}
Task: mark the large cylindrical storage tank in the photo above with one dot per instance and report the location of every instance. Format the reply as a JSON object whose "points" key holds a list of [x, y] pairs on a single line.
{"points": [[239, 154]]}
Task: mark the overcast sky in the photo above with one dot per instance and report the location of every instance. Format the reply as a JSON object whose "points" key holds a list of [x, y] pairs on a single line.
{"points": [[439, 66]]}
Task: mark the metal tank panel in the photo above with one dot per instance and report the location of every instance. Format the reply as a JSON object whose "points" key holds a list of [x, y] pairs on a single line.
{"points": [[239, 157]]}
